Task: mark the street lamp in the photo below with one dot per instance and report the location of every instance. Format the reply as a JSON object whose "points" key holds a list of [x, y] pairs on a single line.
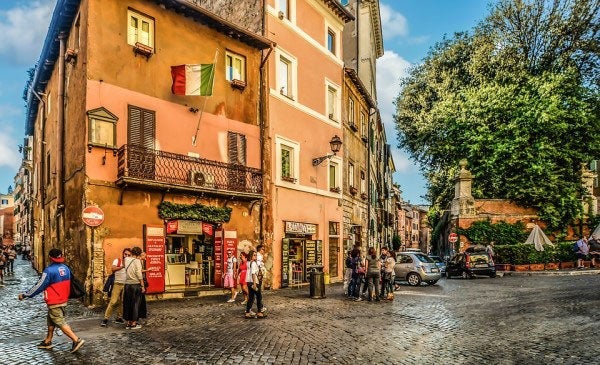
{"points": [[336, 144]]}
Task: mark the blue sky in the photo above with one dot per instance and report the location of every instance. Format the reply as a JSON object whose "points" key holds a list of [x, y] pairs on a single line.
{"points": [[410, 28]]}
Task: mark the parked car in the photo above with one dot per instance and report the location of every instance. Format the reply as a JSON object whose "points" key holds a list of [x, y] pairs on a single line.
{"points": [[441, 264], [469, 264], [416, 267]]}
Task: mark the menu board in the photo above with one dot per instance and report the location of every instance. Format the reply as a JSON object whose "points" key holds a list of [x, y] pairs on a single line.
{"points": [[218, 259], [313, 253], [155, 258], [285, 263]]}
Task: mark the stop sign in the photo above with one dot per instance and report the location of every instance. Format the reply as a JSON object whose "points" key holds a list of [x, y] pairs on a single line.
{"points": [[92, 216], [453, 237]]}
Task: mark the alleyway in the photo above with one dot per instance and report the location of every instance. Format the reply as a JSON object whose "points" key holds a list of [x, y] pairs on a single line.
{"points": [[510, 320]]}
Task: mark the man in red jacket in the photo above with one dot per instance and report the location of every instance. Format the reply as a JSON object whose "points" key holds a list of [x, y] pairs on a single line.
{"points": [[55, 282]]}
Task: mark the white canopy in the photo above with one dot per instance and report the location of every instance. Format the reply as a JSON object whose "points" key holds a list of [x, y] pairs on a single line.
{"points": [[596, 231], [538, 238]]}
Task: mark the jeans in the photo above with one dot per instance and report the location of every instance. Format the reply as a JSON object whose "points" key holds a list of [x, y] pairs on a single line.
{"points": [[373, 278], [347, 279], [254, 294]]}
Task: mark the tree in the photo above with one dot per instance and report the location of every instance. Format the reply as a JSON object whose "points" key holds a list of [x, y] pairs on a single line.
{"points": [[518, 98]]}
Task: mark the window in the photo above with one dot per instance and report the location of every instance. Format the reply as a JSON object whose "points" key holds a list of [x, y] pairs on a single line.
{"points": [[363, 183], [331, 102], [235, 67], [287, 157], [141, 127], [287, 163], [284, 8], [333, 177], [331, 40], [4, 201], [236, 148], [102, 128], [140, 29], [351, 112], [285, 76], [363, 124], [351, 174]]}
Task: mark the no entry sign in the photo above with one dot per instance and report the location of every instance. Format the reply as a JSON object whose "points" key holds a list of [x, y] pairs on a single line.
{"points": [[92, 216], [453, 237]]}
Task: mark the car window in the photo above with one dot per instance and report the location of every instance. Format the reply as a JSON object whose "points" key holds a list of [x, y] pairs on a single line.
{"points": [[424, 258], [436, 258], [405, 259], [479, 258]]}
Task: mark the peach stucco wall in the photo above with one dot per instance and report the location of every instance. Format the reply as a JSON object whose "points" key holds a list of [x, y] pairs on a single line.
{"points": [[175, 126]]}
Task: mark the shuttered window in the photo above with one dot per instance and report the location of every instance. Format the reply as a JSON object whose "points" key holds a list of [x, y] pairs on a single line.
{"points": [[236, 143], [142, 127], [140, 29]]}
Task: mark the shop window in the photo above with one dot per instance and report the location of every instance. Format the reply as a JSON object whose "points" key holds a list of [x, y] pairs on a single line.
{"points": [[140, 30], [102, 126], [235, 67]]}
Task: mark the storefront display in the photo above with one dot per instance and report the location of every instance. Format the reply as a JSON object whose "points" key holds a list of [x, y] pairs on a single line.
{"points": [[299, 252]]}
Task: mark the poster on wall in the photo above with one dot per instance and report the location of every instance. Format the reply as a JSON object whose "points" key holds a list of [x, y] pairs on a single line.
{"points": [[313, 253], [218, 258], [230, 242], [285, 263], [154, 246]]}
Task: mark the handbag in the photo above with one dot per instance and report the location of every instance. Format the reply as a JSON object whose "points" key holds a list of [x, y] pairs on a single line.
{"points": [[108, 285], [77, 289]]}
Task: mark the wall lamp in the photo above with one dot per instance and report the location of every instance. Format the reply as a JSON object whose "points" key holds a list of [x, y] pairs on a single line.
{"points": [[336, 144]]}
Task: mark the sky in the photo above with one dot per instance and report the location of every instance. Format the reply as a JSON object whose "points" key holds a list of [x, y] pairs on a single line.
{"points": [[410, 29]]}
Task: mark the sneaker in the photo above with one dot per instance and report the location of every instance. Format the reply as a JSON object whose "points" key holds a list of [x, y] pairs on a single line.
{"points": [[231, 300], [136, 327], [44, 345], [127, 327], [104, 323], [260, 315], [77, 345], [119, 320], [244, 302], [358, 299], [250, 315]]}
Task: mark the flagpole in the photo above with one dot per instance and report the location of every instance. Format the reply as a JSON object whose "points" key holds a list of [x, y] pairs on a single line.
{"points": [[212, 81]]}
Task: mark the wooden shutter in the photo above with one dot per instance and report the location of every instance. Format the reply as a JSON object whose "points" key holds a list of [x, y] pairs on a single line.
{"points": [[142, 127], [134, 134], [236, 148]]}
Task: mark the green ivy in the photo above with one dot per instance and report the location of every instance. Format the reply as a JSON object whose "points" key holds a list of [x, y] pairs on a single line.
{"points": [[521, 254], [198, 212], [501, 233]]}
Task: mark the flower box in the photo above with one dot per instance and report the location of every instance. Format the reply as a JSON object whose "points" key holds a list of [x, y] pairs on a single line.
{"points": [[567, 265], [521, 267], [551, 266], [503, 267], [334, 190], [587, 264], [288, 179], [536, 267], [353, 190], [363, 196]]}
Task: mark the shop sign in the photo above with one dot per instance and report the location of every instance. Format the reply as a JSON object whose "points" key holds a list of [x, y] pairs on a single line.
{"points": [[218, 259], [207, 229], [181, 226], [300, 228], [155, 258]]}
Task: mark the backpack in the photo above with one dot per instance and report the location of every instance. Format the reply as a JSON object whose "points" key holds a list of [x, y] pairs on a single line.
{"points": [[77, 289], [576, 247]]}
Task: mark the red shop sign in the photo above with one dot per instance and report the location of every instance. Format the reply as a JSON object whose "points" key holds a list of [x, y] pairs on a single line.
{"points": [[155, 258]]}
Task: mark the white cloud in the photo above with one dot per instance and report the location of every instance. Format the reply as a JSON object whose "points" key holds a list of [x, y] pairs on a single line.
{"points": [[9, 155], [23, 30], [393, 23]]}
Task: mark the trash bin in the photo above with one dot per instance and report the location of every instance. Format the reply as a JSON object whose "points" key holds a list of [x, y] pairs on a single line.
{"points": [[317, 282]]}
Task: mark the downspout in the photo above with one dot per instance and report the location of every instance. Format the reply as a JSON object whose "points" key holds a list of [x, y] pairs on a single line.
{"points": [[261, 120], [369, 233], [41, 188], [60, 133]]}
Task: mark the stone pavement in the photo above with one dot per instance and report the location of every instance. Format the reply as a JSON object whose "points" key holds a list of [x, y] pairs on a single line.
{"points": [[507, 320]]}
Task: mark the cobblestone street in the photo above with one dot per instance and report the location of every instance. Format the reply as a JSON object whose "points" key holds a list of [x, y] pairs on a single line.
{"points": [[506, 320]]}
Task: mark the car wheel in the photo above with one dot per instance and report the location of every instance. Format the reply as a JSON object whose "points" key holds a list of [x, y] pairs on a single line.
{"points": [[432, 282], [465, 275], [413, 279], [493, 275]]}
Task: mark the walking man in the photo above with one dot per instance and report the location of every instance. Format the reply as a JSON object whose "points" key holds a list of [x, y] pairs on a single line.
{"points": [[55, 282], [116, 295]]}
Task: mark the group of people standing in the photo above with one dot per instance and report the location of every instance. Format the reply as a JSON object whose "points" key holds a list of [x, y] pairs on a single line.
{"points": [[364, 276], [584, 247], [127, 289], [249, 275], [8, 254]]}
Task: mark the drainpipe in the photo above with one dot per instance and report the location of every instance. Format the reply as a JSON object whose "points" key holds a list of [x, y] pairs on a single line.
{"points": [[369, 177], [41, 188], [60, 131]]}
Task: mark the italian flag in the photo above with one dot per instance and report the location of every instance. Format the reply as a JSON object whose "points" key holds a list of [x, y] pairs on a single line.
{"points": [[193, 79]]}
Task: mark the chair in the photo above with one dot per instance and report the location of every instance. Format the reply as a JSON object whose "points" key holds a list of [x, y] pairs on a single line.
{"points": [[296, 278], [193, 269]]}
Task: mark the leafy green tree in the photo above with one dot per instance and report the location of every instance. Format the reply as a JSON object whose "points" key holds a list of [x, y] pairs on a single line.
{"points": [[518, 98]]}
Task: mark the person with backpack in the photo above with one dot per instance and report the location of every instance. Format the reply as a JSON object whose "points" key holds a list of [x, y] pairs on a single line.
{"points": [[12, 255], [116, 292], [55, 282], [2, 263], [594, 244], [581, 250], [253, 282], [134, 289], [230, 278]]}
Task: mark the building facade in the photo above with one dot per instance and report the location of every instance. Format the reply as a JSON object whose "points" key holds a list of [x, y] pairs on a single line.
{"points": [[178, 175], [7, 203], [23, 224]]}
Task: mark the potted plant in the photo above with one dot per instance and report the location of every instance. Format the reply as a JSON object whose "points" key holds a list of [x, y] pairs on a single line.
{"points": [[503, 257], [521, 258], [536, 260], [565, 255], [550, 260]]}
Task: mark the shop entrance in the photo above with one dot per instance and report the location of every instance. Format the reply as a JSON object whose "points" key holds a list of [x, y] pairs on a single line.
{"points": [[299, 254]]}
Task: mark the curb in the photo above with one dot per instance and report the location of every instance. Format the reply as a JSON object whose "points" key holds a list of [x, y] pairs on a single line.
{"points": [[550, 273]]}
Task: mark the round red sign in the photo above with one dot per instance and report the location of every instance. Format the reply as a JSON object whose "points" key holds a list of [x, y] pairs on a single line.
{"points": [[453, 237], [92, 216]]}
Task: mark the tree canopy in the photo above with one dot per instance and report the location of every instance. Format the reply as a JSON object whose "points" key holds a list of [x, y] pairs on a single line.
{"points": [[518, 97]]}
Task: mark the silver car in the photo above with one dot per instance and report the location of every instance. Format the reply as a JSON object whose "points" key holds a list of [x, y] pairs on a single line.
{"points": [[415, 267]]}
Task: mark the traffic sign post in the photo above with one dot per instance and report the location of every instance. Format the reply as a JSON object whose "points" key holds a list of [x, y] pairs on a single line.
{"points": [[92, 216], [453, 237]]}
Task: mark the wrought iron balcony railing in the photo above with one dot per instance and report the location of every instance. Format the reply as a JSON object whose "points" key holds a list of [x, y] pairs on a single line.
{"points": [[140, 164]]}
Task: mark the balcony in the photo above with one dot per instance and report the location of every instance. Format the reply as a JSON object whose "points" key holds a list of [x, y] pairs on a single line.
{"points": [[151, 168]]}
